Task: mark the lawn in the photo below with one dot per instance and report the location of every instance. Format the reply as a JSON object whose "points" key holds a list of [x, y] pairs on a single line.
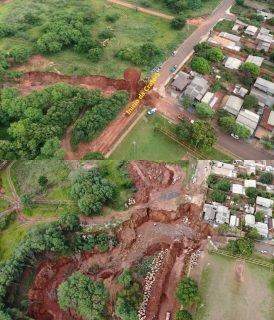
{"points": [[132, 28], [223, 297], [10, 238], [144, 143], [3, 204], [25, 175], [5, 183], [207, 8], [48, 211]]}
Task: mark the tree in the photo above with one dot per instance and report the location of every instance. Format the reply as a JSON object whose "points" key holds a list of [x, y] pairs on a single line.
{"points": [[94, 156], [218, 196], [183, 315], [26, 200], [240, 2], [250, 102], [241, 131], [266, 178], [178, 22], [125, 279], [194, 4], [203, 135], [259, 216], [252, 233], [43, 181], [227, 123], [204, 110], [243, 246], [187, 292], [87, 297], [250, 69], [223, 185], [200, 65], [95, 54], [213, 55], [69, 222], [187, 102]]}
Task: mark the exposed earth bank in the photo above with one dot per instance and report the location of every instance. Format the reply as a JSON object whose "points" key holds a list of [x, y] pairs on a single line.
{"points": [[161, 222]]}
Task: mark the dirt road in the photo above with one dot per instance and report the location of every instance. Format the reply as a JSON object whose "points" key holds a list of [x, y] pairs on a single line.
{"points": [[142, 9]]}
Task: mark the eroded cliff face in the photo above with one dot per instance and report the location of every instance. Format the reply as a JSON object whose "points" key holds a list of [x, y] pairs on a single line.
{"points": [[161, 223]]}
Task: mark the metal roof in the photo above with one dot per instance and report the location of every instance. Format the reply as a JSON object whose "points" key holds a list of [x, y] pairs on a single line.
{"points": [[264, 85], [234, 105], [255, 59], [249, 119]]}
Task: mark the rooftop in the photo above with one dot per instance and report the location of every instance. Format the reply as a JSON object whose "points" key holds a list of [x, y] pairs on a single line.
{"points": [[249, 119], [264, 202], [233, 63], [230, 36], [264, 98], [181, 81], [251, 30], [264, 85], [255, 59], [197, 88], [234, 105]]}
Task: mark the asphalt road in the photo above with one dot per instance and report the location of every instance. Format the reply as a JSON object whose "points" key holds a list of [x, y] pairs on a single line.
{"points": [[184, 51]]}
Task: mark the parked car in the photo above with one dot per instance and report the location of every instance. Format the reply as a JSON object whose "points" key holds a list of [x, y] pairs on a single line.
{"points": [[168, 316], [151, 111], [235, 136], [173, 69]]}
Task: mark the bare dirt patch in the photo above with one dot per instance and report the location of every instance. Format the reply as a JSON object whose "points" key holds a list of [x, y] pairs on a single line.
{"points": [[143, 234]]}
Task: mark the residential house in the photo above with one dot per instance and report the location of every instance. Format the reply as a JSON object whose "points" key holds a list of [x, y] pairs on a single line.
{"points": [[251, 30], [250, 220], [265, 86], [233, 105], [237, 189], [248, 119], [233, 63], [197, 88], [265, 205], [266, 126], [240, 91], [210, 99], [234, 221], [250, 183], [180, 81], [262, 229], [255, 59], [216, 212], [224, 169]]}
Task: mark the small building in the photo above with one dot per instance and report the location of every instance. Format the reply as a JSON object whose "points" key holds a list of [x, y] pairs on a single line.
{"points": [[266, 126], [250, 220], [237, 189], [234, 105], [230, 36], [222, 215], [263, 98], [248, 119], [265, 36], [216, 212], [210, 99], [251, 30], [265, 86], [250, 183], [224, 169], [266, 15], [233, 63], [197, 88], [255, 59], [263, 46], [262, 229], [234, 221], [180, 81], [240, 91], [265, 205]]}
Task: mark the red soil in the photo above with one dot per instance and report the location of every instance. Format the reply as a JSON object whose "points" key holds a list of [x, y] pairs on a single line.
{"points": [[150, 228]]}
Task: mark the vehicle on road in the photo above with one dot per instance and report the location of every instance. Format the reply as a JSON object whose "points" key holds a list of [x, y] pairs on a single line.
{"points": [[235, 136], [173, 69], [151, 111], [168, 316], [173, 53]]}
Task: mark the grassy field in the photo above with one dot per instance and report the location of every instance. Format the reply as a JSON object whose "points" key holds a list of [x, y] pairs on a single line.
{"points": [[132, 28], [10, 237], [144, 143], [208, 7], [3, 204], [25, 175], [223, 297]]}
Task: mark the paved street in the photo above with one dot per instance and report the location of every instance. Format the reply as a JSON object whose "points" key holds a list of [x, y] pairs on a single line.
{"points": [[171, 109], [187, 46]]}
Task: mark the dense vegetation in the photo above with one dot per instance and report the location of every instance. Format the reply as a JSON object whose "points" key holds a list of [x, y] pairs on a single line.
{"points": [[61, 237], [87, 297], [35, 123], [129, 298], [92, 191]]}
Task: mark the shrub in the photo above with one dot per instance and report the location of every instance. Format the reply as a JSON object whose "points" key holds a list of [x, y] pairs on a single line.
{"points": [[183, 315], [200, 65], [223, 185], [204, 110], [106, 34], [94, 156], [178, 22], [194, 4], [250, 69], [244, 246], [112, 17], [259, 216], [250, 102], [187, 292], [266, 178], [218, 196], [240, 2], [95, 54], [82, 294], [20, 54]]}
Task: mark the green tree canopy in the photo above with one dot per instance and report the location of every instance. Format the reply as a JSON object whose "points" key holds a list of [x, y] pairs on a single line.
{"points": [[187, 292], [87, 297], [250, 102], [251, 69], [200, 65], [204, 110]]}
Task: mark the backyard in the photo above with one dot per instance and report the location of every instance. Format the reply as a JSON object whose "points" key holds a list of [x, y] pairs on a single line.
{"points": [[228, 295]]}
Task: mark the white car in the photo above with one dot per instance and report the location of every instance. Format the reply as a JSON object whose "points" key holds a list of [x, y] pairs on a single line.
{"points": [[168, 316], [235, 136], [151, 111]]}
